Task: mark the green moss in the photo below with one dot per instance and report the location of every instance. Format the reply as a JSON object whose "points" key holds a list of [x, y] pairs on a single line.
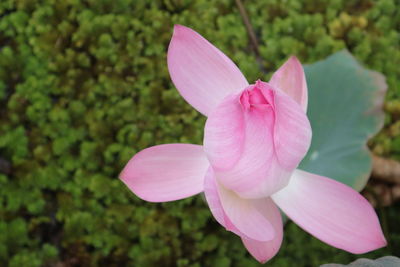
{"points": [[84, 85]]}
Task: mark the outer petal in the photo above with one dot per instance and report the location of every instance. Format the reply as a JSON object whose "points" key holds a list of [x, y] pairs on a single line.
{"points": [[224, 134], [214, 202], [202, 74], [290, 78], [292, 132], [332, 212], [264, 251], [166, 172], [238, 215]]}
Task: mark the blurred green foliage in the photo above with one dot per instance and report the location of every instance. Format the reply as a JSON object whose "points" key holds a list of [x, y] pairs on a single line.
{"points": [[84, 85]]}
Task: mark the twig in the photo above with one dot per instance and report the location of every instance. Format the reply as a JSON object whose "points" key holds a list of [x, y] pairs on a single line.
{"points": [[381, 194], [251, 34], [385, 170], [383, 188]]}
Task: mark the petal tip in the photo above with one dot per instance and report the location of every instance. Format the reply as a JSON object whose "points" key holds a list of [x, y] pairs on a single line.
{"points": [[294, 61], [178, 35], [294, 58], [123, 176], [127, 176], [179, 29], [129, 170], [382, 242]]}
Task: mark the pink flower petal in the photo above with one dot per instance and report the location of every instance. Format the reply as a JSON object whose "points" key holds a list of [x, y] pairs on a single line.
{"points": [[332, 212], [292, 132], [244, 216], [202, 74], [256, 174], [214, 203], [166, 172], [236, 214], [264, 251], [224, 134], [290, 78]]}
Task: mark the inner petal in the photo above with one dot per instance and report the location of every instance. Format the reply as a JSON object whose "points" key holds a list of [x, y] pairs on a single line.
{"points": [[256, 96]]}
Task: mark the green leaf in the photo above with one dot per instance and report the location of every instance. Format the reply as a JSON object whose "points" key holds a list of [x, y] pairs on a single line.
{"points": [[344, 109]]}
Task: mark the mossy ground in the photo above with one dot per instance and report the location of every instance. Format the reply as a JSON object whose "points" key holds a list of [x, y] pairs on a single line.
{"points": [[84, 85]]}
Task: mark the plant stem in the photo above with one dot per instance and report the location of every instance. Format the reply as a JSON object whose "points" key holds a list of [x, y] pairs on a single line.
{"points": [[252, 35]]}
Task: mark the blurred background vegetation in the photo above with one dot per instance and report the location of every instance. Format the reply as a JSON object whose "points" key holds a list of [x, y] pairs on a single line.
{"points": [[84, 85]]}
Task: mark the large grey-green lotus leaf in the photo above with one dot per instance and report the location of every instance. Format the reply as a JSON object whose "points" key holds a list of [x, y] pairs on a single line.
{"points": [[345, 110]]}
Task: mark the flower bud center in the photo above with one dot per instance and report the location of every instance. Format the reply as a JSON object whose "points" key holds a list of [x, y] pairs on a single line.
{"points": [[258, 95]]}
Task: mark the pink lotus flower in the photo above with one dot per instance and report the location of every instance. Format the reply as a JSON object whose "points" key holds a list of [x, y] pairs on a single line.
{"points": [[254, 138]]}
